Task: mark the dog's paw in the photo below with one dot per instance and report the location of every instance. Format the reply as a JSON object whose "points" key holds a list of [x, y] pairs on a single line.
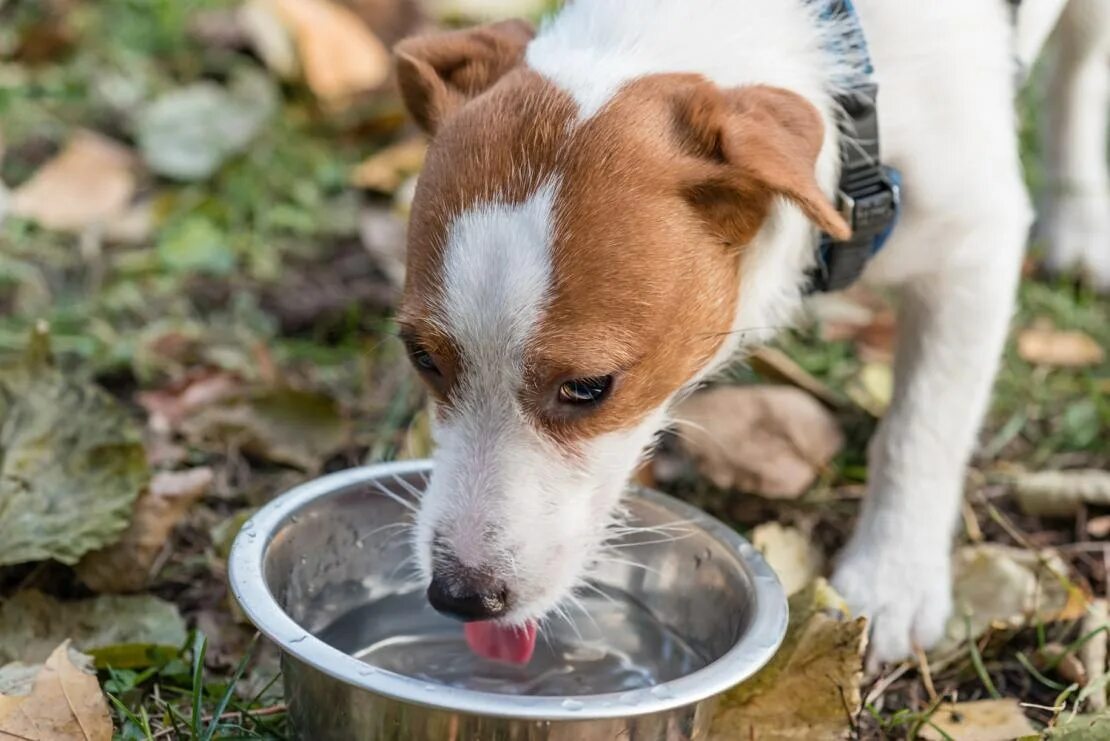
{"points": [[1076, 229], [907, 598]]}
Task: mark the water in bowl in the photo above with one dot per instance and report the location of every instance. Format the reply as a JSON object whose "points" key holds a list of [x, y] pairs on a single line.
{"points": [[608, 644]]}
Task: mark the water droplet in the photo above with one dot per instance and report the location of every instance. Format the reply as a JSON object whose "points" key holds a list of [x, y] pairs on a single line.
{"points": [[299, 638], [248, 525], [430, 688], [661, 692], [630, 698], [358, 544], [304, 560], [366, 671], [252, 535], [294, 519], [570, 704]]}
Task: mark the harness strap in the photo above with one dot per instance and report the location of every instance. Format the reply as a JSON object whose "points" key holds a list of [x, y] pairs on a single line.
{"points": [[869, 193]]}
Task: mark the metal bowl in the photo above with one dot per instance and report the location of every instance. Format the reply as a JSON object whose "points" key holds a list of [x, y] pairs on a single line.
{"points": [[325, 552]]}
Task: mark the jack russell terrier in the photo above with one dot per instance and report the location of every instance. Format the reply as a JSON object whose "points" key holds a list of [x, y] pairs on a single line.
{"points": [[615, 205]]}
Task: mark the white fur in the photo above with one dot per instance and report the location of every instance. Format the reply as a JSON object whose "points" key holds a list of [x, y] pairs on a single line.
{"points": [[1076, 210], [946, 72], [502, 496]]}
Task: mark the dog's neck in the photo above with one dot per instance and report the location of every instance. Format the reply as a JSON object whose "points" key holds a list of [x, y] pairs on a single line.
{"points": [[591, 49]]}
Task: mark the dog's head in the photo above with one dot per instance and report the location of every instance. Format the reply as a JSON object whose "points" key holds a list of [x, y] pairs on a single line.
{"points": [[567, 277]]}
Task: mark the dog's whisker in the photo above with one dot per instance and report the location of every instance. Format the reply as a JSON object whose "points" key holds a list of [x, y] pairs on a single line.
{"points": [[415, 493], [386, 491]]}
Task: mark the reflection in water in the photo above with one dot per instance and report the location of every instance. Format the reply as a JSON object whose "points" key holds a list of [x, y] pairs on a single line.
{"points": [[615, 646]]}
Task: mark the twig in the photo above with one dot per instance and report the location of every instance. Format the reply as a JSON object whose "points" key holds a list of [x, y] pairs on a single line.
{"points": [[232, 715], [926, 675], [1093, 653], [880, 687]]}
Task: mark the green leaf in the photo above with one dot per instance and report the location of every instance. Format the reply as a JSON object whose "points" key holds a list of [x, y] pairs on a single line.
{"points": [[1081, 728], [196, 245], [124, 632], [71, 464], [298, 428], [188, 133]]}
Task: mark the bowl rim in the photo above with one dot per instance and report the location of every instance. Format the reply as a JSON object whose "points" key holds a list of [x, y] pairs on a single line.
{"points": [[754, 649]]}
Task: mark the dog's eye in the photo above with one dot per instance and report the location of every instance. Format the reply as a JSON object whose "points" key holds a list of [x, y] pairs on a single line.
{"points": [[424, 362], [585, 390]]}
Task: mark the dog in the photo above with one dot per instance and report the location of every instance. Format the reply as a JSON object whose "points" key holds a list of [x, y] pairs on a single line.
{"points": [[618, 204]]}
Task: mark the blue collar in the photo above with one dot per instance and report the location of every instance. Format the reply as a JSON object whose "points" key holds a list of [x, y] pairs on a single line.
{"points": [[869, 193]]}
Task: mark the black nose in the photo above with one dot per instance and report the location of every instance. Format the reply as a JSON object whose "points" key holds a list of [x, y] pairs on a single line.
{"points": [[468, 596]]}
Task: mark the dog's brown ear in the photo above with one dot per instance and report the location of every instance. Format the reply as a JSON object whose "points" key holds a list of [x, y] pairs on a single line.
{"points": [[439, 72], [759, 142]]}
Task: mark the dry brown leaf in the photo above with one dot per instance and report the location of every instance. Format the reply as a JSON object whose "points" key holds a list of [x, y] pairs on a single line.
{"points": [[1066, 664], [769, 440], [65, 703], [1045, 345], [811, 688], [125, 566], [168, 408], [775, 365], [1007, 588], [338, 54], [1099, 527], [384, 171], [89, 183], [873, 388], [982, 720], [793, 556], [1061, 493]]}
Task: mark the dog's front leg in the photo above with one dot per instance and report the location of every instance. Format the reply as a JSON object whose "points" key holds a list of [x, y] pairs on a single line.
{"points": [[952, 326]]}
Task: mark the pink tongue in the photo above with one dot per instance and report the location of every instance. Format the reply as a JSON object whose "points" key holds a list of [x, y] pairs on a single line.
{"points": [[499, 643]]}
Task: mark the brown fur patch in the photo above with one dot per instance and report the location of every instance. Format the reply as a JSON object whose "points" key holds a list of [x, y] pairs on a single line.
{"points": [[659, 194]]}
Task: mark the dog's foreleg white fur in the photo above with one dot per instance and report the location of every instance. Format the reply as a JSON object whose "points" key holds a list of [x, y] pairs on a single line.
{"points": [[896, 566], [1076, 212]]}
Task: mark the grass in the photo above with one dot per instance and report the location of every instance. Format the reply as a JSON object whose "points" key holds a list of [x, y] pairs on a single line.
{"points": [[182, 700], [283, 208]]}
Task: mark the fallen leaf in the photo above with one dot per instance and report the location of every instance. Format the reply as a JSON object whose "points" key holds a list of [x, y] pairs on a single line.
{"points": [[860, 316], [390, 20], [775, 365], [89, 183], [811, 688], [125, 565], [187, 133], [793, 556], [1007, 588], [1099, 527], [770, 440], [1045, 345], [1061, 493], [269, 38], [1081, 728], [981, 720], [71, 463], [169, 407], [64, 703], [873, 388], [486, 10], [383, 235], [133, 627], [338, 54], [16, 678], [298, 428], [385, 170], [195, 245]]}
